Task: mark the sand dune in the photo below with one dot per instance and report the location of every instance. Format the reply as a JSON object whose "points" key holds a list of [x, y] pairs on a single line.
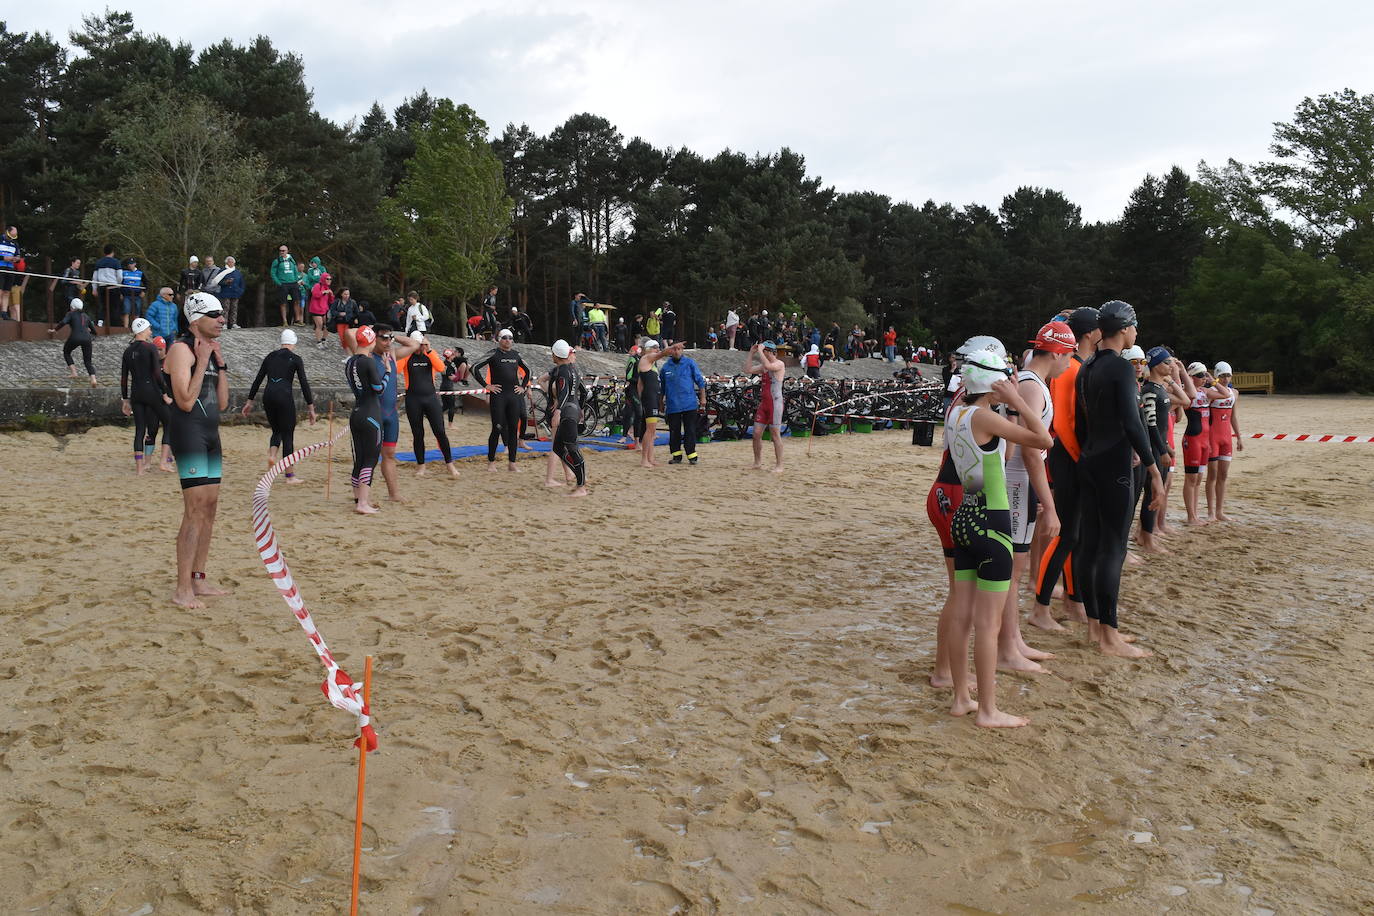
{"points": [[699, 690]]}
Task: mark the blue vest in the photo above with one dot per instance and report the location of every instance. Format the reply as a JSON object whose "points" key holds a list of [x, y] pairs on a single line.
{"points": [[8, 250], [133, 278]]}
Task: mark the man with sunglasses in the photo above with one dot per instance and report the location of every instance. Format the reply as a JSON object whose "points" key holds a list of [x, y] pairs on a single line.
{"points": [[200, 390]]}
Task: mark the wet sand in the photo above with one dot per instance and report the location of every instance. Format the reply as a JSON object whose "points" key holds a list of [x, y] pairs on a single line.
{"points": [[698, 690]]}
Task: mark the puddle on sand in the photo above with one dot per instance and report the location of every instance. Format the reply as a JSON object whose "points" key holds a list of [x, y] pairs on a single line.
{"points": [[1108, 894], [1077, 846]]}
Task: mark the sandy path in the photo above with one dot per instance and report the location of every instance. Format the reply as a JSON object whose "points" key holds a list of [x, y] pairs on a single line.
{"points": [[699, 689]]}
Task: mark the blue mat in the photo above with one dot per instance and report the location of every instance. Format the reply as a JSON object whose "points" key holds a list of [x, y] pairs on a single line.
{"points": [[594, 443]]}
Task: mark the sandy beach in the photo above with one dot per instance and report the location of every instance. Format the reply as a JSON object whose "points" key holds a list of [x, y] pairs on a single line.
{"points": [[698, 690]]}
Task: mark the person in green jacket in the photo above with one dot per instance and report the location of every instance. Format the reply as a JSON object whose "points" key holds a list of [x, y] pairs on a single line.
{"points": [[288, 279], [312, 276]]}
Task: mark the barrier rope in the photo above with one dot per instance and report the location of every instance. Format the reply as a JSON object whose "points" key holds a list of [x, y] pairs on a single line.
{"points": [[338, 687], [1308, 437]]}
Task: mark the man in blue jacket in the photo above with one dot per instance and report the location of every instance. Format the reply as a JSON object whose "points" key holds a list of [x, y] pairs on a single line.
{"points": [[162, 315], [684, 392], [230, 292]]}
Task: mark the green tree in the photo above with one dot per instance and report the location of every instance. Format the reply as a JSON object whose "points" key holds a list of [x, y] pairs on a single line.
{"points": [[450, 211], [187, 186]]}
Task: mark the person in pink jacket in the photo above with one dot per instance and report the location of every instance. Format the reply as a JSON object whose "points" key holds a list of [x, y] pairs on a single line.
{"points": [[321, 298]]}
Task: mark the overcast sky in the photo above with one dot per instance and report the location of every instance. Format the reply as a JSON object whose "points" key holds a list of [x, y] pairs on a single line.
{"points": [[951, 101]]}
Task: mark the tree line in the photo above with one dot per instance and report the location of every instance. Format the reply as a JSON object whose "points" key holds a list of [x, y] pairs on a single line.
{"points": [[126, 138]]}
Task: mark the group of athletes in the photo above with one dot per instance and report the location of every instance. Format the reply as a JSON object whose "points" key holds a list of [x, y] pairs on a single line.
{"points": [[1043, 469]]}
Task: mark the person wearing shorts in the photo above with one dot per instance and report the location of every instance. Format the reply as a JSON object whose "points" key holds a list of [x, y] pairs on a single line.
{"points": [[389, 350], [287, 277], [200, 390], [768, 416], [1224, 430], [978, 438], [1197, 440]]}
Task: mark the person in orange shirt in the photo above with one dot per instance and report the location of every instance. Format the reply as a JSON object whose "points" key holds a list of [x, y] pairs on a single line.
{"points": [[890, 344], [422, 402], [1063, 473]]}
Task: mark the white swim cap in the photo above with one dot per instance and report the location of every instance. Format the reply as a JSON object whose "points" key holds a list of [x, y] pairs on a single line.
{"points": [[561, 349], [140, 325], [288, 336], [78, 304], [1223, 368]]}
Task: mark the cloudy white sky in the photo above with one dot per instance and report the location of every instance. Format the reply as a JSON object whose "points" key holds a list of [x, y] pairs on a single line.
{"points": [[951, 101]]}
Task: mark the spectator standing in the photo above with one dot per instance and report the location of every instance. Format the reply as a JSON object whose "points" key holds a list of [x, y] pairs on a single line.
{"points": [[231, 291], [637, 329], [596, 315], [731, 326], [489, 319], [654, 326], [210, 276], [286, 277], [314, 272], [418, 317], [189, 281], [132, 281], [684, 393], [321, 303], [577, 312], [622, 336], [71, 286], [890, 344], [162, 314], [10, 277], [668, 318], [343, 314], [107, 277], [396, 313], [812, 362]]}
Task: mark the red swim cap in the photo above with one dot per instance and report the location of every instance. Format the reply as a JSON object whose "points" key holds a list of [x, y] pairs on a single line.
{"points": [[159, 343], [366, 337]]}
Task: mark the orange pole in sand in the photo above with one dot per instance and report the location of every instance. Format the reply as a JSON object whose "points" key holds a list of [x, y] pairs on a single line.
{"points": [[329, 458], [362, 778]]}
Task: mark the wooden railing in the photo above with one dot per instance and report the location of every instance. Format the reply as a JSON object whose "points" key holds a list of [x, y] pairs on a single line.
{"points": [[1253, 381]]}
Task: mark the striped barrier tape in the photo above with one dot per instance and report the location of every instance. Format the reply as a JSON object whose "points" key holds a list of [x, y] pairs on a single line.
{"points": [[1309, 437], [338, 687]]}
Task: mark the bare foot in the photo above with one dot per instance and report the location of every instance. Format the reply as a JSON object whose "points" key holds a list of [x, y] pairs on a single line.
{"points": [[777, 469], [491, 466], [365, 509], [1040, 617], [580, 491], [513, 468], [185, 600], [168, 466], [94, 384], [962, 707], [941, 682], [1058, 592], [1124, 649], [1196, 522], [294, 479], [395, 499], [1132, 559], [999, 719], [1223, 517], [422, 472], [453, 470], [207, 589], [647, 466], [552, 483], [1075, 612], [1020, 664], [1157, 549], [1035, 655], [756, 467]]}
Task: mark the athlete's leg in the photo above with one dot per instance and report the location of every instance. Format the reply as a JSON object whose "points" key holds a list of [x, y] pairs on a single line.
{"points": [[67, 349], [565, 446], [141, 413], [758, 446], [494, 439], [198, 506], [434, 414], [646, 443], [416, 415], [1106, 530], [1059, 557], [510, 429], [1223, 473]]}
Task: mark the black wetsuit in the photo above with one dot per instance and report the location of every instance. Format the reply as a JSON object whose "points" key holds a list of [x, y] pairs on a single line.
{"points": [[422, 403], [453, 403], [1109, 429], [194, 434], [507, 369], [141, 366], [365, 422], [565, 395], [279, 398], [650, 398], [632, 416], [1155, 409], [82, 336]]}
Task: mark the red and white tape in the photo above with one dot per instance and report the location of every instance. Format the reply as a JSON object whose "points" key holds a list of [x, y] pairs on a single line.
{"points": [[338, 686], [1309, 437]]}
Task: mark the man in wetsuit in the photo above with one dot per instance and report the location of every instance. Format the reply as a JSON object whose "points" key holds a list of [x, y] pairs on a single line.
{"points": [[1109, 429], [388, 351], [770, 370], [422, 403], [200, 390], [505, 379], [1061, 464], [280, 369]]}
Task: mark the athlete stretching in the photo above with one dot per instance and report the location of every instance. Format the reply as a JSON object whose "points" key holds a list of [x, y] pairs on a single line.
{"points": [[200, 390], [982, 528], [422, 403], [1109, 430], [280, 368], [770, 371], [365, 422], [1028, 488], [387, 352]]}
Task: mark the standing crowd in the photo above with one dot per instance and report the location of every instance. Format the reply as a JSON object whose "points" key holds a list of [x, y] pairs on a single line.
{"points": [[1043, 471]]}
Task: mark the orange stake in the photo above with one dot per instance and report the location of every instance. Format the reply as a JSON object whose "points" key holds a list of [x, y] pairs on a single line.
{"points": [[329, 458], [362, 779]]}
